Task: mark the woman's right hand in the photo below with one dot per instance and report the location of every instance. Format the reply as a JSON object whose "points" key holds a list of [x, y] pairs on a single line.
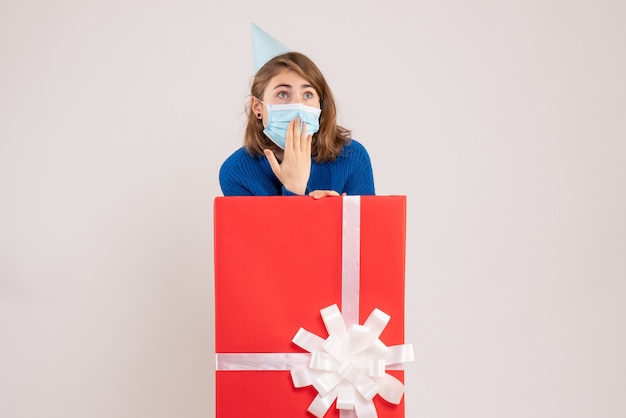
{"points": [[295, 168]]}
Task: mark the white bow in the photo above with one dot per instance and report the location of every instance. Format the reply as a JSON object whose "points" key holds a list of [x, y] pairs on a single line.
{"points": [[350, 365]]}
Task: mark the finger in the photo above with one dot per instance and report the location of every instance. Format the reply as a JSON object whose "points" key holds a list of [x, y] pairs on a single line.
{"points": [[271, 158], [296, 134], [309, 141], [318, 194], [304, 138], [289, 138]]}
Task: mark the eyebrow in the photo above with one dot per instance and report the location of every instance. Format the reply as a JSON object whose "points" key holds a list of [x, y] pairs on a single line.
{"points": [[289, 86]]}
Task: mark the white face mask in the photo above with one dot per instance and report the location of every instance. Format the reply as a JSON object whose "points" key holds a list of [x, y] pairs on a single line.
{"points": [[279, 116]]}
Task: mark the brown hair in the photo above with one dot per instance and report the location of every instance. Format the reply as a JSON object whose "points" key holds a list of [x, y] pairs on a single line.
{"points": [[329, 140]]}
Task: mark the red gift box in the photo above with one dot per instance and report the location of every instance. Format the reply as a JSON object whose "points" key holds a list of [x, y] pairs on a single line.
{"points": [[278, 262]]}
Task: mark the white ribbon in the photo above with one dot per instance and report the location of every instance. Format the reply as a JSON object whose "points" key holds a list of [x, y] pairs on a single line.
{"points": [[351, 259], [260, 361], [349, 366]]}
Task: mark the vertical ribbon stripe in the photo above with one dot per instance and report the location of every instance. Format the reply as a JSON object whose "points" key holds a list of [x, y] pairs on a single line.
{"points": [[350, 268], [350, 259]]}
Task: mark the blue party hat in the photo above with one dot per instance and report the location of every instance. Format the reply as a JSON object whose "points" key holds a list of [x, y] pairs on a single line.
{"points": [[265, 47]]}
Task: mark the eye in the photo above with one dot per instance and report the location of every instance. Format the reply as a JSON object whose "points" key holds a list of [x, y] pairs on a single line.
{"points": [[308, 95], [282, 95]]}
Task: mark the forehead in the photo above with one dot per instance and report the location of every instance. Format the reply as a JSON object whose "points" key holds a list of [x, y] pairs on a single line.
{"points": [[287, 78]]}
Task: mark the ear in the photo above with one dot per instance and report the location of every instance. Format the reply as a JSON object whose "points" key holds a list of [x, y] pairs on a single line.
{"points": [[256, 105]]}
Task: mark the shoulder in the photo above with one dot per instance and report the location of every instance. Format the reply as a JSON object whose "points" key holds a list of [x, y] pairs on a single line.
{"points": [[235, 160]]}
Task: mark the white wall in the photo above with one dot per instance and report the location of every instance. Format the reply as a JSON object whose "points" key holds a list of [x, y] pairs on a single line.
{"points": [[504, 122]]}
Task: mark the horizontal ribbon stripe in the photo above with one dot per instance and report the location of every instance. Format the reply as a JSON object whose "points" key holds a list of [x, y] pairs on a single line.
{"points": [[261, 361], [271, 361]]}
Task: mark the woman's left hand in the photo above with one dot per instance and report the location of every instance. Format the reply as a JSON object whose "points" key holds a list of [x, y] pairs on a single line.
{"points": [[318, 194]]}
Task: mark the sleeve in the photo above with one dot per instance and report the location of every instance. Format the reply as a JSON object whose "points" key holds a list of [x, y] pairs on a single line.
{"points": [[360, 178], [232, 179], [231, 187]]}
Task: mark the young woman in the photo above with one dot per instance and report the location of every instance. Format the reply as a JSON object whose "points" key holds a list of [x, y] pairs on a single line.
{"points": [[292, 144]]}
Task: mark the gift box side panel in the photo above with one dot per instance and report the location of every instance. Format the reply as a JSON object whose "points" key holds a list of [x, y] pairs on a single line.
{"points": [[270, 388], [383, 257], [260, 394], [277, 263]]}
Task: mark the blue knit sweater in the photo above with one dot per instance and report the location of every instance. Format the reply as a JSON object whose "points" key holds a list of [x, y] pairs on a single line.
{"points": [[351, 172]]}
